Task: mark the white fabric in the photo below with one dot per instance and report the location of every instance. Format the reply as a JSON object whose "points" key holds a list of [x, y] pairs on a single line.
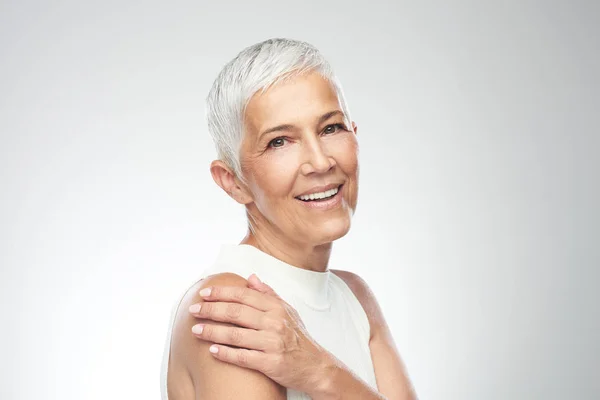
{"points": [[331, 313]]}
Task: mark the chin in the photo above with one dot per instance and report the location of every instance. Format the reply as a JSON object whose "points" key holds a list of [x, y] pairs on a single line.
{"points": [[331, 230]]}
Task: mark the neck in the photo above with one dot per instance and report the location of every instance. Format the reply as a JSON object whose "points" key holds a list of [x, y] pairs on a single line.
{"points": [[301, 255]]}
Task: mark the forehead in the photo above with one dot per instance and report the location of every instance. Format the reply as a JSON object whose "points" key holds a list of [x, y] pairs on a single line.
{"points": [[303, 97]]}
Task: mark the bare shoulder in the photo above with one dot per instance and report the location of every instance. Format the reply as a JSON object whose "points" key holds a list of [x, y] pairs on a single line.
{"points": [[194, 373], [366, 297]]}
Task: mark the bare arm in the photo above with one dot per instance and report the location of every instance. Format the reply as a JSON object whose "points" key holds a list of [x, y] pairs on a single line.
{"points": [[195, 374], [390, 373]]}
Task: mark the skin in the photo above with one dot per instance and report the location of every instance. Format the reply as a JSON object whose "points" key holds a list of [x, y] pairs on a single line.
{"points": [[261, 339]]}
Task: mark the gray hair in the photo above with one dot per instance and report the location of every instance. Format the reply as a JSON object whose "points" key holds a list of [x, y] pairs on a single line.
{"points": [[254, 69]]}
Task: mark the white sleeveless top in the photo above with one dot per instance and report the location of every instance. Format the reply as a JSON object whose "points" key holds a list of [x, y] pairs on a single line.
{"points": [[331, 313]]}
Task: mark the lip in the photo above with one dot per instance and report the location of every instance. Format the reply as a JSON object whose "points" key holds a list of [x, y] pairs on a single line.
{"points": [[328, 204], [318, 189]]}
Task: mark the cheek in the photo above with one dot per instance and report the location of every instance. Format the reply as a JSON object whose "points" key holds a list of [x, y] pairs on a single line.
{"points": [[274, 177], [346, 154]]}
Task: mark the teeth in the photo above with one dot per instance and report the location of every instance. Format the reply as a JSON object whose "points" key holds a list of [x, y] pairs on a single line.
{"points": [[321, 195]]}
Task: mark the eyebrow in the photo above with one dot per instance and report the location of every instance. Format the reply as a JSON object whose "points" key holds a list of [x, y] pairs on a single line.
{"points": [[286, 127]]}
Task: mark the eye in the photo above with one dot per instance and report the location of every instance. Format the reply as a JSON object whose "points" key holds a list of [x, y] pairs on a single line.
{"points": [[328, 130], [277, 142]]}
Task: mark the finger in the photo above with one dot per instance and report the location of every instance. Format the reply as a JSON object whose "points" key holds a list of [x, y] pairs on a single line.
{"points": [[253, 278], [245, 358], [239, 337], [258, 285], [235, 313], [236, 294]]}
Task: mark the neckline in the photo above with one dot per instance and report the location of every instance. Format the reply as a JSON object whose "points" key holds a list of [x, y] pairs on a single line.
{"points": [[311, 287]]}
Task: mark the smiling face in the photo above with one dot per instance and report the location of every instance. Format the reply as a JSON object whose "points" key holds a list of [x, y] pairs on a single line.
{"points": [[298, 142]]}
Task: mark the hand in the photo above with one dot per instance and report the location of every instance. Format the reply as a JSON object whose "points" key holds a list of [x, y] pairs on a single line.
{"points": [[270, 336]]}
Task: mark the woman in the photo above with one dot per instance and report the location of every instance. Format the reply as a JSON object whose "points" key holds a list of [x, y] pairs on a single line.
{"points": [[288, 152]]}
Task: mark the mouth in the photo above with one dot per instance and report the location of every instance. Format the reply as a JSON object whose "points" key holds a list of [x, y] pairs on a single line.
{"points": [[321, 197]]}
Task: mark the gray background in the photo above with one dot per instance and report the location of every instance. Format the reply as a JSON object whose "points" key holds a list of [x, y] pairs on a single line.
{"points": [[477, 224]]}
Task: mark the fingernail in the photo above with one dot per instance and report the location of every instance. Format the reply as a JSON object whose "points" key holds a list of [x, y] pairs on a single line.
{"points": [[195, 308], [213, 349], [197, 329], [205, 292]]}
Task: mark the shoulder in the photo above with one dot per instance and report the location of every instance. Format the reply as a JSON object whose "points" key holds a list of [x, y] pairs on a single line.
{"points": [[192, 295], [194, 371], [365, 296]]}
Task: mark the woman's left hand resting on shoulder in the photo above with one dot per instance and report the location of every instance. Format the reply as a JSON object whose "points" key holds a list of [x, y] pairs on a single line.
{"points": [[270, 337]]}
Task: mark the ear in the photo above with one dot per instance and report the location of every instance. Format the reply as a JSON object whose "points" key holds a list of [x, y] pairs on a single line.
{"points": [[226, 179], [354, 128]]}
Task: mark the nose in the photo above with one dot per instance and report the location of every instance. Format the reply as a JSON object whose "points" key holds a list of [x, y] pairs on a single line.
{"points": [[316, 159]]}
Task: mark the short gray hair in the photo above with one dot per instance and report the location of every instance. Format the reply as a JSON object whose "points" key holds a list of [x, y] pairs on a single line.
{"points": [[254, 69]]}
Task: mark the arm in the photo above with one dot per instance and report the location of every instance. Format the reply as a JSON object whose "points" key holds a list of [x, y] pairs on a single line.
{"points": [[390, 373], [202, 376], [340, 383]]}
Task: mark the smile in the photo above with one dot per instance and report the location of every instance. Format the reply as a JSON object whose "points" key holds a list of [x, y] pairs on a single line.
{"points": [[320, 196], [322, 200]]}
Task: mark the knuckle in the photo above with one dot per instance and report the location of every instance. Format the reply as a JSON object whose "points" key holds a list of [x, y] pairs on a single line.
{"points": [[242, 358], [236, 336], [207, 308], [278, 326], [282, 311], [240, 294], [278, 344], [208, 332], [234, 310], [263, 320]]}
